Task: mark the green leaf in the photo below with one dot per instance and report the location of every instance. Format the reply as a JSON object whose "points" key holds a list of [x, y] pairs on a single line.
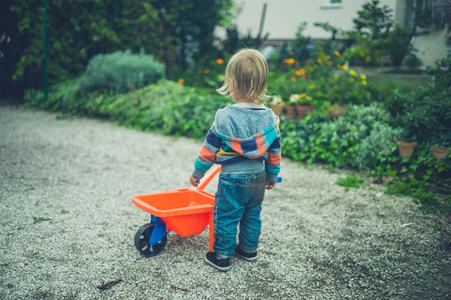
{"points": [[39, 220]]}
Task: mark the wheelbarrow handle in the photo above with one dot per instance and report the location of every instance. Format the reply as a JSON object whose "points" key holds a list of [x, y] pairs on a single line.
{"points": [[212, 173], [207, 178]]}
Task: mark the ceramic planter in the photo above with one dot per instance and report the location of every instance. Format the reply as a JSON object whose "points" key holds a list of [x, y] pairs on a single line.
{"points": [[406, 149]]}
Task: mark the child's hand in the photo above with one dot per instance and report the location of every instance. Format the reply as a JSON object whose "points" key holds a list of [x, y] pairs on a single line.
{"points": [[270, 185], [194, 181]]}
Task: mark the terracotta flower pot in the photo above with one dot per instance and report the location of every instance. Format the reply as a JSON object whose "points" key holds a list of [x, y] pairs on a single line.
{"points": [[406, 149], [291, 111], [440, 153], [303, 110], [277, 108]]}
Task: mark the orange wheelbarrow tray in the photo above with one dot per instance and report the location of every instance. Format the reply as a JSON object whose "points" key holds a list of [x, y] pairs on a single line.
{"points": [[187, 212]]}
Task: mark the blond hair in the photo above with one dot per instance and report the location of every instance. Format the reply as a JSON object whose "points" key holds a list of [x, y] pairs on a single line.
{"points": [[248, 70]]}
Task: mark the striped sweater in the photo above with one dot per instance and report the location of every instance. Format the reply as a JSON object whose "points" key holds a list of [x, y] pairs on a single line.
{"points": [[243, 136]]}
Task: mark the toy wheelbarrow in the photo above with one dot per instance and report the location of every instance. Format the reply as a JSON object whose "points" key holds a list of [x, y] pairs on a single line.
{"points": [[186, 212]]}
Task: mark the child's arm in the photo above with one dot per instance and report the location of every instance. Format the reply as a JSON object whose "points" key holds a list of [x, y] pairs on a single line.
{"points": [[207, 156], [272, 164], [270, 185], [194, 181]]}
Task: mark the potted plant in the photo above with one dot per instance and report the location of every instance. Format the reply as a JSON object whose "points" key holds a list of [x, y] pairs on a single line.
{"points": [[277, 105], [440, 153], [406, 149], [303, 104], [290, 107]]}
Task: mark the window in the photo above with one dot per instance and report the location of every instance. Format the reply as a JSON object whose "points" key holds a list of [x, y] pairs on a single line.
{"points": [[332, 4]]}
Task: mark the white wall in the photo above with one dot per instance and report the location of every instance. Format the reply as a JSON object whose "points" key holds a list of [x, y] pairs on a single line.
{"points": [[284, 16], [431, 46]]}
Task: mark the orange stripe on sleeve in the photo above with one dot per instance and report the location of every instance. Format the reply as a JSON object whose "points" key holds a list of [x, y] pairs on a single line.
{"points": [[260, 147], [207, 154], [274, 158]]}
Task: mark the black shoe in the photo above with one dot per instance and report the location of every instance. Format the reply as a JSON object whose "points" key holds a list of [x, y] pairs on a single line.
{"points": [[247, 256], [222, 265]]}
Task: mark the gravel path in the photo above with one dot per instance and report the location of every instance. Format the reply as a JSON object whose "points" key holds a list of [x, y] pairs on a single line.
{"points": [[67, 225]]}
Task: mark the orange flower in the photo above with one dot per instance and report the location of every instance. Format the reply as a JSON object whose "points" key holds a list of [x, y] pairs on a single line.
{"points": [[319, 60], [206, 71], [219, 61], [181, 81], [302, 95], [289, 61], [300, 72], [337, 53]]}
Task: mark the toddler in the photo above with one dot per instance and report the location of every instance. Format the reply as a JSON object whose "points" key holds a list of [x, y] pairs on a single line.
{"points": [[245, 140]]}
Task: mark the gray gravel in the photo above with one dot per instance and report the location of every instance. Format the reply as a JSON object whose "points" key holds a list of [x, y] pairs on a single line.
{"points": [[318, 240]]}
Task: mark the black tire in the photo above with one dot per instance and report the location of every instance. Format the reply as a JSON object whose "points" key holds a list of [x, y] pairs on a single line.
{"points": [[142, 238]]}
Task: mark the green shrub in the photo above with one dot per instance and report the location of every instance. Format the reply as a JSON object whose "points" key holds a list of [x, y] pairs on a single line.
{"points": [[121, 72], [350, 181], [62, 97], [208, 72], [165, 107], [380, 144], [399, 46], [424, 113], [362, 137], [428, 201], [442, 73], [168, 108], [318, 139]]}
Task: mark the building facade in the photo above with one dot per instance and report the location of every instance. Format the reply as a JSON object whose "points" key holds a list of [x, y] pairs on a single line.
{"points": [[281, 19]]}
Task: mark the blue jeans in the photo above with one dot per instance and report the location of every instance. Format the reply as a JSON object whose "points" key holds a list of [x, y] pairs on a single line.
{"points": [[238, 200]]}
